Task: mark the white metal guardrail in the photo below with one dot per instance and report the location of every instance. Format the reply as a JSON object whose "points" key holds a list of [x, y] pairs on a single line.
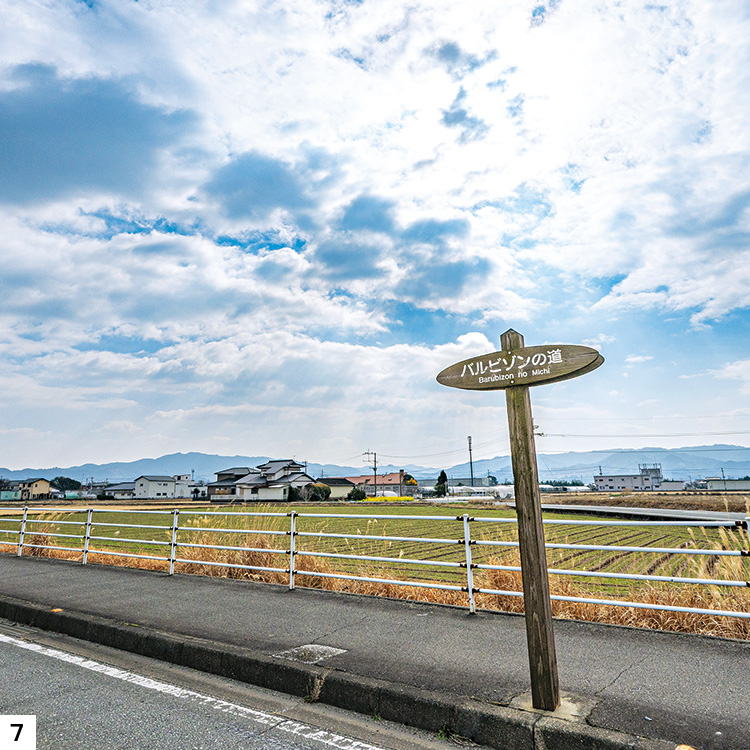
{"points": [[32, 530]]}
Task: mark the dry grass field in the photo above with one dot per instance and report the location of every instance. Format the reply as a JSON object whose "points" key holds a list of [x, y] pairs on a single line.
{"points": [[733, 502], [262, 542]]}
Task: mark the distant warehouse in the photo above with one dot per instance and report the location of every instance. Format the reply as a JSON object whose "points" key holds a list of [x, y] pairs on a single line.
{"points": [[719, 483], [649, 477]]}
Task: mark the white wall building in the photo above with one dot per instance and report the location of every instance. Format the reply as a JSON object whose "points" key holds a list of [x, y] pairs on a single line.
{"points": [[649, 478], [717, 483], [152, 486], [270, 481]]}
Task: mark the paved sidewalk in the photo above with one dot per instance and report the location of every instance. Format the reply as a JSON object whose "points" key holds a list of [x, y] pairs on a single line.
{"points": [[426, 665]]}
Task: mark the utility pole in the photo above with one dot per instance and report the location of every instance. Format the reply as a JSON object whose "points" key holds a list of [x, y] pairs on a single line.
{"points": [[471, 463], [724, 478], [374, 468]]}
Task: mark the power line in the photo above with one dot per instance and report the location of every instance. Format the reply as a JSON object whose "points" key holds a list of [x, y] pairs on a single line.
{"points": [[649, 449], [646, 434], [445, 453], [649, 419]]}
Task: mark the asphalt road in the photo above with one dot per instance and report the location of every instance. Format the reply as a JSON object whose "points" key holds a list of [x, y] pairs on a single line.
{"points": [[685, 689], [87, 696]]}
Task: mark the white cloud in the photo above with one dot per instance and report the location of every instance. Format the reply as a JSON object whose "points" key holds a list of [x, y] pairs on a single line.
{"points": [[599, 341], [738, 370], [583, 172]]}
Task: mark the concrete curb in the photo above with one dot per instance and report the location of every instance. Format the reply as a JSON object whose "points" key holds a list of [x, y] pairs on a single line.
{"points": [[485, 723]]}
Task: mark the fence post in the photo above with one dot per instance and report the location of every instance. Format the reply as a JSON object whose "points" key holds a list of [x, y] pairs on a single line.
{"points": [[292, 535], [88, 535], [469, 564], [173, 543], [22, 532]]}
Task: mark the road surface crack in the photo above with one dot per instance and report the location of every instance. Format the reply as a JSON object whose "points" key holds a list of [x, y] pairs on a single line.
{"points": [[620, 674], [332, 633]]}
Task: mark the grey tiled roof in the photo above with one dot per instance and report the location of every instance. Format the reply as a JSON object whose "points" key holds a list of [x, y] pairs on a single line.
{"points": [[254, 478], [279, 463], [290, 478]]}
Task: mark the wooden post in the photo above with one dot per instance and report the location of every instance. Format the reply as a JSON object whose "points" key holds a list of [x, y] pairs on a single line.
{"points": [[545, 690]]}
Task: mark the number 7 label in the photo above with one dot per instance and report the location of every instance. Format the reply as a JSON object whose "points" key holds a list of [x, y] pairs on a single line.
{"points": [[17, 732]]}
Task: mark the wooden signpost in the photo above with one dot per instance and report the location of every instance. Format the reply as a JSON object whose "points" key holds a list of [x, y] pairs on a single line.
{"points": [[514, 369]]}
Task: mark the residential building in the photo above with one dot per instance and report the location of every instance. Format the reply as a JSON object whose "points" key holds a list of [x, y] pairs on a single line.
{"points": [[224, 488], [159, 487], [340, 486], [183, 485], [270, 481], [154, 486], [390, 484], [121, 491], [94, 489], [648, 478], [34, 489], [10, 491]]}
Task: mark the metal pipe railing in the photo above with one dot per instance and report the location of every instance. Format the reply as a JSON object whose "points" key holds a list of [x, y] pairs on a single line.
{"points": [[619, 548], [95, 518], [636, 605]]}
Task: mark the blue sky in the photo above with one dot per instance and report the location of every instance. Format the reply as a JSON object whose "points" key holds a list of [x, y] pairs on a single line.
{"points": [[263, 228]]}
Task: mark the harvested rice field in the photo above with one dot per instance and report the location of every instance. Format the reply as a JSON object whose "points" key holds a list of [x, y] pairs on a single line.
{"points": [[427, 547]]}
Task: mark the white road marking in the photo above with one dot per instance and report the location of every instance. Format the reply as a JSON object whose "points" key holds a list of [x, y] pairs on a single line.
{"points": [[260, 717]]}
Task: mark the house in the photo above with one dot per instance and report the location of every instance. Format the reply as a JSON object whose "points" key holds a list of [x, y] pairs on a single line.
{"points": [[183, 485], [648, 478], [273, 480], [94, 489], [340, 486], [34, 489], [10, 490], [269, 481], [151, 486], [121, 491], [391, 484], [224, 488]]}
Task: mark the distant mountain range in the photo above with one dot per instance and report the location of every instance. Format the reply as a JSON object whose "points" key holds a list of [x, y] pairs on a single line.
{"points": [[695, 462]]}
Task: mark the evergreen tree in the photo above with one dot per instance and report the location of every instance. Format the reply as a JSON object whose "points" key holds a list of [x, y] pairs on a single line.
{"points": [[442, 484]]}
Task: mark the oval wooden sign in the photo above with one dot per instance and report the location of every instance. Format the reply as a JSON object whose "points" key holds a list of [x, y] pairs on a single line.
{"points": [[531, 365]]}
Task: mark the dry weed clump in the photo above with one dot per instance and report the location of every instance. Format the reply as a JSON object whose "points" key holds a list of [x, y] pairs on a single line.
{"points": [[693, 596]]}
